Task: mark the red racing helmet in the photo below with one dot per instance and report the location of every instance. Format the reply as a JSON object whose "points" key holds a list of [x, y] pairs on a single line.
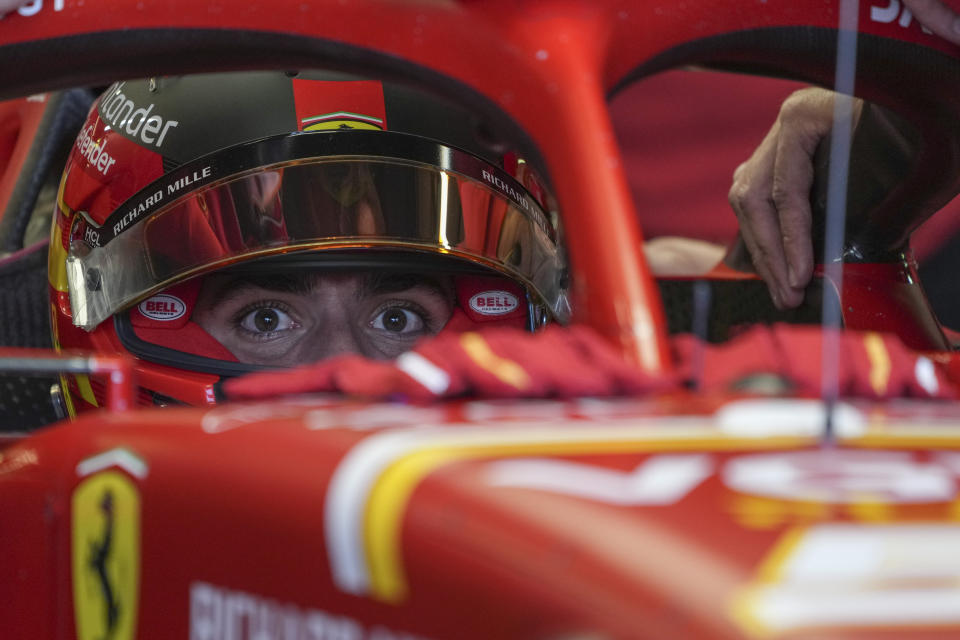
{"points": [[252, 175]]}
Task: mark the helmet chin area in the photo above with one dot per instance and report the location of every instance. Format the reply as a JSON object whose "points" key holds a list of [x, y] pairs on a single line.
{"points": [[210, 324]]}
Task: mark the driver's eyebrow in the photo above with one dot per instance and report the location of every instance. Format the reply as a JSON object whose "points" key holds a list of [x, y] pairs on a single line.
{"points": [[373, 283], [379, 282], [300, 284]]}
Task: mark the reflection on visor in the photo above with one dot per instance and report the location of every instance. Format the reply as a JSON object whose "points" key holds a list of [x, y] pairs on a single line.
{"points": [[321, 203]]}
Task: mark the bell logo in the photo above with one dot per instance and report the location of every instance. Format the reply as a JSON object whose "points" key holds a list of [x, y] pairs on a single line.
{"points": [[106, 556], [163, 307], [494, 303]]}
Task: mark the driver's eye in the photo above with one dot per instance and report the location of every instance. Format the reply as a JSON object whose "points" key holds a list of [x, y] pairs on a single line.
{"points": [[398, 320], [266, 320]]}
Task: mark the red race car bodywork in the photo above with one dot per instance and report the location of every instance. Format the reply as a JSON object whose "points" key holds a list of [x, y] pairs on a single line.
{"points": [[675, 515]]}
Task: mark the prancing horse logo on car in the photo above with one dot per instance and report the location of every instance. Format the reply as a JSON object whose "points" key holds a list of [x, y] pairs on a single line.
{"points": [[106, 556], [99, 554]]}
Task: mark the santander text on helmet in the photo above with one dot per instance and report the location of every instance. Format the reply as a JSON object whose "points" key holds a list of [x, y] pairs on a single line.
{"points": [[125, 115]]}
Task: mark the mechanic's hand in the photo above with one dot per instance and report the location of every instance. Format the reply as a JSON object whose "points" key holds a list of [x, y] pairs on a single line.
{"points": [[771, 194], [936, 16]]}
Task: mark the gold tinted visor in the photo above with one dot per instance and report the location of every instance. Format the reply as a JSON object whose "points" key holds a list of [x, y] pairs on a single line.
{"points": [[308, 205]]}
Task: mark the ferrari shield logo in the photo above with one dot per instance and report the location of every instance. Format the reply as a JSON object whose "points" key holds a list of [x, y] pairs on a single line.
{"points": [[106, 556], [324, 105], [341, 120]]}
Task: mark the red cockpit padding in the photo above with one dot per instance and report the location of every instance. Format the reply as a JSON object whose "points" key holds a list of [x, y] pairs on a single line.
{"points": [[575, 362], [493, 362], [867, 364]]}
